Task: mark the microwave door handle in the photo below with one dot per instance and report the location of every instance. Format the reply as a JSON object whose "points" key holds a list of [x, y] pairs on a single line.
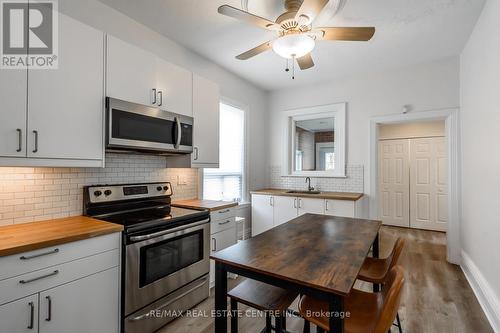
{"points": [[179, 132]]}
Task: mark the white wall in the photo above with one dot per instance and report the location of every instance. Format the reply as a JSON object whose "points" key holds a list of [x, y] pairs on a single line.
{"points": [[427, 87], [232, 87], [480, 84]]}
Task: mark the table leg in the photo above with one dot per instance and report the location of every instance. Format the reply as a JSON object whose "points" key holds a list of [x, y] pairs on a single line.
{"points": [[376, 254], [336, 307], [220, 298]]}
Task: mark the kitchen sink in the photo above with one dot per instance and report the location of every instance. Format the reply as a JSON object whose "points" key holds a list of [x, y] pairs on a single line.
{"points": [[303, 192]]}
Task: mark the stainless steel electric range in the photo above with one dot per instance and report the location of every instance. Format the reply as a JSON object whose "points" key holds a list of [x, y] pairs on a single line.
{"points": [[165, 253]]}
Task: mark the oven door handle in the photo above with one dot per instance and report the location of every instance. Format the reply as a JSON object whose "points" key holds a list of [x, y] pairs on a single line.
{"points": [[165, 232], [179, 132], [164, 305]]}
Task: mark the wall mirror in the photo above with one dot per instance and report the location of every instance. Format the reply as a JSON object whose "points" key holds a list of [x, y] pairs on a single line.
{"points": [[316, 141]]}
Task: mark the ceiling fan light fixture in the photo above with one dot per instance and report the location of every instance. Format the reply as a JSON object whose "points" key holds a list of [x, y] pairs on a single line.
{"points": [[293, 45]]}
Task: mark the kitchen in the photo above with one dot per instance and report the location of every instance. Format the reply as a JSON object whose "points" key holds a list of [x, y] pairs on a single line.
{"points": [[76, 148]]}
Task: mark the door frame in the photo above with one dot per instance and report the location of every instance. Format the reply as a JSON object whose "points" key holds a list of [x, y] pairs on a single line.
{"points": [[452, 132]]}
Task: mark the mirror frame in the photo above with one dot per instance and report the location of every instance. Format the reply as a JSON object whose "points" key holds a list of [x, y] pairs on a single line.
{"points": [[338, 111]]}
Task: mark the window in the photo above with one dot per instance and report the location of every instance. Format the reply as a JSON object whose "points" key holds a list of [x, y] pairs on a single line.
{"points": [[228, 181]]}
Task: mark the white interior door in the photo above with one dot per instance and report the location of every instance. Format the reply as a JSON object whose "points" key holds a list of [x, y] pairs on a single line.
{"points": [[428, 184], [394, 182]]}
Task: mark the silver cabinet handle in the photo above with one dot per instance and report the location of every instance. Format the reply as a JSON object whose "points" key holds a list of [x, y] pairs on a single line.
{"points": [[222, 223], [154, 96], [167, 303], [49, 308], [195, 153], [295, 203], [214, 244], [20, 139], [326, 204], [39, 254], [300, 203], [36, 141], [179, 132], [160, 94], [39, 277], [32, 315]]}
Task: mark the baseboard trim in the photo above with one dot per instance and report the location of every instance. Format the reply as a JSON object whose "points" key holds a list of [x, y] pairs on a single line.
{"points": [[483, 291]]}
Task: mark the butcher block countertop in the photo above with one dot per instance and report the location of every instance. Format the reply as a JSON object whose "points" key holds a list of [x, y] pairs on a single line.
{"points": [[204, 204], [322, 195], [37, 235]]}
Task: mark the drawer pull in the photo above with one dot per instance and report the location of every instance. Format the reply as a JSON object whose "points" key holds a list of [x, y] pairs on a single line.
{"points": [[32, 315], [224, 211], [222, 223], [39, 255], [39, 277]]}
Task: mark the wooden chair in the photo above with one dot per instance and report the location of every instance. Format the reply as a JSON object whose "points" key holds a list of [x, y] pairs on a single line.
{"points": [[368, 312], [376, 270], [263, 297]]}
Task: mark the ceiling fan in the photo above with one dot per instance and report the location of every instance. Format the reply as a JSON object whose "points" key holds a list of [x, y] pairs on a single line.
{"points": [[296, 36]]}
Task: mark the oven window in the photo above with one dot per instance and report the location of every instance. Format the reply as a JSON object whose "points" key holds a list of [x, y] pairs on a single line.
{"points": [[133, 126], [161, 259]]}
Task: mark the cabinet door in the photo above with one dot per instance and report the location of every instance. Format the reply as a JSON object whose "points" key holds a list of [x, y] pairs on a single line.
{"points": [[87, 305], [66, 105], [285, 209], [313, 206], [344, 208], [131, 72], [20, 316], [175, 88], [13, 112], [206, 122], [220, 241], [262, 213]]}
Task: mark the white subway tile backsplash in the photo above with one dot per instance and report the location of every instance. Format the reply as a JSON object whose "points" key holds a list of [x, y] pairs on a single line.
{"points": [[353, 182], [35, 194]]}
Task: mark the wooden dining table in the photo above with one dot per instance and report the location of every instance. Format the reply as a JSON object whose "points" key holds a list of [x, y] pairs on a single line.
{"points": [[315, 255]]}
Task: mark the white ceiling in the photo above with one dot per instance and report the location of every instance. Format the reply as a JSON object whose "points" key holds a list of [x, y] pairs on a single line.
{"points": [[408, 32]]}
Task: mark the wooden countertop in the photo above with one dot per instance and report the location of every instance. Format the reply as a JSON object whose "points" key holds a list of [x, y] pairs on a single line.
{"points": [[36, 235], [322, 195], [204, 204], [316, 251]]}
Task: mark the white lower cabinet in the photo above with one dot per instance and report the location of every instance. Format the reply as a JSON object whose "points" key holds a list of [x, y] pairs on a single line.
{"points": [[270, 211], [223, 234], [70, 293], [20, 316], [82, 306]]}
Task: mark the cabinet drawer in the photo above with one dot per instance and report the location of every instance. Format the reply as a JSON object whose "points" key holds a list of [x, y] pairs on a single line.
{"points": [[222, 214], [31, 283], [223, 224], [26, 262]]}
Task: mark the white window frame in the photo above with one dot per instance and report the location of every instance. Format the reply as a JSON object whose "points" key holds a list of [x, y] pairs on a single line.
{"points": [[245, 195]]}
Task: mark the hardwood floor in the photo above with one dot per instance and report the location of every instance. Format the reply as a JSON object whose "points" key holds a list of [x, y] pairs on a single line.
{"points": [[437, 297]]}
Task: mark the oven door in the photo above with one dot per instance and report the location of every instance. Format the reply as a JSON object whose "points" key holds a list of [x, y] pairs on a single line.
{"points": [[138, 127], [161, 262]]}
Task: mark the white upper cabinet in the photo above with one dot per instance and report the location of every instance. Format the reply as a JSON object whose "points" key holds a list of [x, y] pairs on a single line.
{"points": [[13, 112], [131, 73], [175, 88], [66, 105], [206, 101]]}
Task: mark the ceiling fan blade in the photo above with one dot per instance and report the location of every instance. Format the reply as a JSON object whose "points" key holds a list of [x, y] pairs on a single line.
{"points": [[348, 34], [247, 17], [305, 62], [255, 51], [309, 10]]}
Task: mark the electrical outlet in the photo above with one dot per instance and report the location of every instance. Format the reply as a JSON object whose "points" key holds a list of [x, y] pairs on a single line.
{"points": [[182, 180]]}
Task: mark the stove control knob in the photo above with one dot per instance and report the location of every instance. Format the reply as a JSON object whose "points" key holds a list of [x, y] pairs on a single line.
{"points": [[97, 193], [107, 192], [158, 188], [165, 188]]}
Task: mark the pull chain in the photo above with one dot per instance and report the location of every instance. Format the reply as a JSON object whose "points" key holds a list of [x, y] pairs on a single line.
{"points": [[287, 69], [293, 67]]}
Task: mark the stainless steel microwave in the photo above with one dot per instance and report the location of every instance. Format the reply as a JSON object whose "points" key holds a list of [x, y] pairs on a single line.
{"points": [[140, 128]]}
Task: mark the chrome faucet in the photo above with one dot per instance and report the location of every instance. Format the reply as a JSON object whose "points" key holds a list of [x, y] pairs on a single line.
{"points": [[309, 187]]}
